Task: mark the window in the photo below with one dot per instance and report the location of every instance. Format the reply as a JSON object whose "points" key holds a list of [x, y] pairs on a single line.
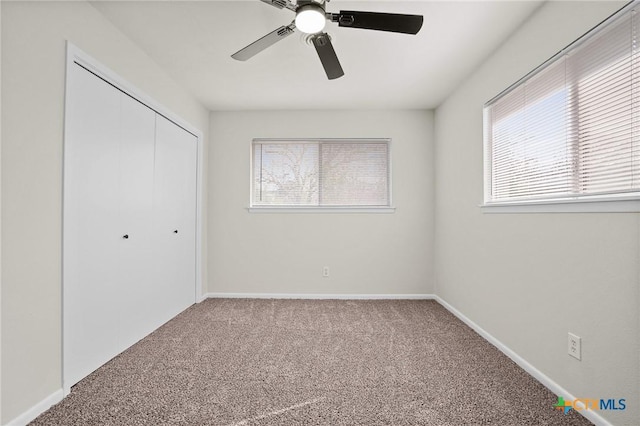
{"points": [[321, 173], [570, 130]]}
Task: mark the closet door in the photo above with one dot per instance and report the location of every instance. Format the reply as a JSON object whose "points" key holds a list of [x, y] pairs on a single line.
{"points": [[174, 217], [91, 235], [135, 257], [129, 239]]}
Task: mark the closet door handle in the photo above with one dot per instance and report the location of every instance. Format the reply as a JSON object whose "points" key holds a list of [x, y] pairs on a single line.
{"points": [[125, 236], [175, 232]]}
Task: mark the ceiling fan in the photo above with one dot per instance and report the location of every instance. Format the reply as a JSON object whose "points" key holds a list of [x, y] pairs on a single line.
{"points": [[311, 19]]}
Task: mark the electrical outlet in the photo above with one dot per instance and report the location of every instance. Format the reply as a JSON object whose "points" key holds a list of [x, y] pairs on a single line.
{"points": [[325, 271], [575, 346]]}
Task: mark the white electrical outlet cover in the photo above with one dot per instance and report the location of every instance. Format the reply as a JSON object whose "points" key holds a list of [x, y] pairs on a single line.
{"points": [[575, 346]]}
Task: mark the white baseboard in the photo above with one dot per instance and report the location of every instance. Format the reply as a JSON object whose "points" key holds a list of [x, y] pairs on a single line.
{"points": [[33, 412], [554, 387], [318, 296]]}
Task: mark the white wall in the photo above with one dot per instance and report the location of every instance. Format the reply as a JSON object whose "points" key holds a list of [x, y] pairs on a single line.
{"points": [[285, 253], [528, 279], [33, 76]]}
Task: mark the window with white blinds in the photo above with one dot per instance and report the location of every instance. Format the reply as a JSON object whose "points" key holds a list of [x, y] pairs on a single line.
{"points": [[570, 130], [320, 173]]}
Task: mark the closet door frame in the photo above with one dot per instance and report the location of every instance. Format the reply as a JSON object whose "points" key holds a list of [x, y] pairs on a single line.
{"points": [[76, 57]]}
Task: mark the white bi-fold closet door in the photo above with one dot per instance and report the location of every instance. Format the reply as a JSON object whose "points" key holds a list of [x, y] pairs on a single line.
{"points": [[129, 255]]}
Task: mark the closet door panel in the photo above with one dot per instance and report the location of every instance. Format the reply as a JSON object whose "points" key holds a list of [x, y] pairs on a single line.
{"points": [[175, 210], [127, 172], [137, 124], [91, 235]]}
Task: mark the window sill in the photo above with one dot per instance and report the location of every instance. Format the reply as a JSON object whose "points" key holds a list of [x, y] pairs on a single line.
{"points": [[622, 205], [297, 209]]}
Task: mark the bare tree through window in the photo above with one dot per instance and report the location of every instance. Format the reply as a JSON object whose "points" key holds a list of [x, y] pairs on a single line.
{"points": [[321, 173]]}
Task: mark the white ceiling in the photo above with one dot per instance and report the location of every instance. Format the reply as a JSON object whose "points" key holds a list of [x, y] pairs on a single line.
{"points": [[193, 41]]}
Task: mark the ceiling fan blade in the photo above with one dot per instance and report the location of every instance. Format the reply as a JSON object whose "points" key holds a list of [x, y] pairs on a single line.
{"points": [[327, 55], [393, 22], [281, 4], [264, 42]]}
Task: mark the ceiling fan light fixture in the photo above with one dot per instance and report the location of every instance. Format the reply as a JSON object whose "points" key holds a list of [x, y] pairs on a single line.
{"points": [[310, 19]]}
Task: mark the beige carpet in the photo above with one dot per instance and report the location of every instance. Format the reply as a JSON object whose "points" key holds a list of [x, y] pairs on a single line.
{"points": [[310, 362]]}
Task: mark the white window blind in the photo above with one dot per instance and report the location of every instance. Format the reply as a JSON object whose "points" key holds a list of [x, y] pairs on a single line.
{"points": [[570, 129], [320, 173]]}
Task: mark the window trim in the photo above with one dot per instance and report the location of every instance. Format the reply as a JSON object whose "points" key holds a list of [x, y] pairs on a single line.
{"points": [[316, 209], [607, 203], [322, 209], [583, 205]]}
